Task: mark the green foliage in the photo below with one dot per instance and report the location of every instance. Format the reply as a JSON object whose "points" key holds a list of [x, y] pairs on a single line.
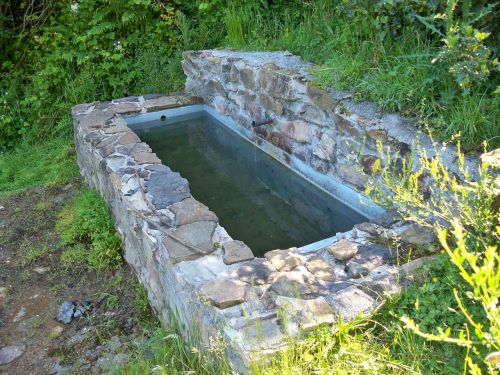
{"points": [[463, 214], [37, 164], [167, 351], [347, 348], [87, 228], [433, 60]]}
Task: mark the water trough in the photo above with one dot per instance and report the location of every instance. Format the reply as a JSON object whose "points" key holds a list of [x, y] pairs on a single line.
{"points": [[191, 259]]}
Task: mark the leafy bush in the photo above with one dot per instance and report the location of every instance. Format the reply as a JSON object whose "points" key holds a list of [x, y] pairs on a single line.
{"points": [[87, 228], [465, 216]]}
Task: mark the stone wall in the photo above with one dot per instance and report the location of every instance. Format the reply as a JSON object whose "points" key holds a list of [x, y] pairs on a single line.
{"points": [[191, 266], [326, 129]]}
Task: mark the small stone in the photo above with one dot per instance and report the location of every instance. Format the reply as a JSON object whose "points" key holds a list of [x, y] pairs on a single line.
{"points": [[379, 135], [366, 260], [417, 235], [133, 99], [257, 272], [295, 284], [41, 270], [370, 228], [116, 129], [190, 241], [68, 310], [386, 219], [20, 314], [94, 119], [162, 102], [123, 108], [306, 314], [343, 249], [146, 158], [271, 104], [129, 138], [320, 269], [167, 188], [56, 331], [325, 148], [224, 293], [261, 335], [10, 353], [190, 210], [3, 292], [298, 130], [415, 269], [283, 260], [236, 251], [350, 302], [350, 174]]}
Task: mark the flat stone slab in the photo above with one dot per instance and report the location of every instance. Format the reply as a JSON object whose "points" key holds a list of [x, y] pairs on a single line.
{"points": [[283, 260], [124, 108], [320, 269], [366, 260], [163, 102], [190, 241], [296, 284], [343, 250], [236, 251], [257, 272], [224, 293], [10, 353], [190, 210], [262, 335], [350, 302], [304, 315], [167, 188], [146, 158]]}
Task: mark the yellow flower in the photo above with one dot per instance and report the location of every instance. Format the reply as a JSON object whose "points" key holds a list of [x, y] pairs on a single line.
{"points": [[434, 280]]}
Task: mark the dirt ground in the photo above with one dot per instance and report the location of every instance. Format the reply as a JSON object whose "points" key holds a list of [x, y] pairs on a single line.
{"points": [[33, 284]]}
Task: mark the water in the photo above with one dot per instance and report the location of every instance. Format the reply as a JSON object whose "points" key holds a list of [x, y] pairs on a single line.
{"points": [[257, 199]]}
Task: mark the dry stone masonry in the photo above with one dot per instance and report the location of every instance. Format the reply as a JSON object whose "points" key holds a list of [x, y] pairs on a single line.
{"points": [[326, 129], [188, 263]]}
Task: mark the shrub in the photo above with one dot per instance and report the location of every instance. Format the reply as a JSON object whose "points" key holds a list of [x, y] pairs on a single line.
{"points": [[463, 213]]}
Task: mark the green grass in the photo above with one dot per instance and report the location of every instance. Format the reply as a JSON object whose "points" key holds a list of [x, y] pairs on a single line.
{"points": [[38, 164], [87, 228], [396, 72]]}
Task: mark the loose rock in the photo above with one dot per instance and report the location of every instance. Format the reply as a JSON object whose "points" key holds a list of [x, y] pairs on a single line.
{"points": [[343, 250], [70, 310]]}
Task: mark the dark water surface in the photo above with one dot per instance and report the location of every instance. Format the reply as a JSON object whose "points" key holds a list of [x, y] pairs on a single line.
{"points": [[257, 199]]}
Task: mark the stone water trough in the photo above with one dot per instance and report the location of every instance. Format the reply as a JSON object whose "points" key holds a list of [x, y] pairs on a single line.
{"points": [[189, 263]]}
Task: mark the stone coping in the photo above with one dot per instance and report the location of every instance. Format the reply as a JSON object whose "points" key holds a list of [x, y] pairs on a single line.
{"points": [[189, 264]]}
